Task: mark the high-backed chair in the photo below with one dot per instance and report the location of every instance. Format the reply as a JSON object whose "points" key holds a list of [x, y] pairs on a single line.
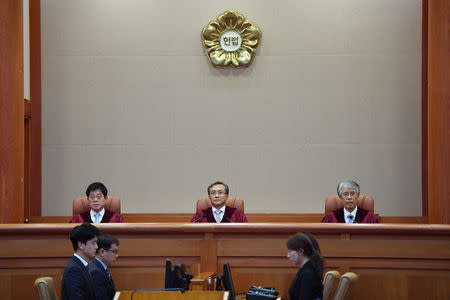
{"points": [[330, 284], [45, 288], [81, 205], [346, 284], [204, 203], [334, 202]]}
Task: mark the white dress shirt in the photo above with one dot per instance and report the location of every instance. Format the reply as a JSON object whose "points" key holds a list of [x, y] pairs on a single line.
{"points": [[85, 263], [93, 213], [353, 213], [219, 216]]}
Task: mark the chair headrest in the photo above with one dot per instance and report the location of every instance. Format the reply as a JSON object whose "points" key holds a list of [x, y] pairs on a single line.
{"points": [[204, 203], [330, 283], [46, 288], [345, 285], [334, 202], [81, 205]]}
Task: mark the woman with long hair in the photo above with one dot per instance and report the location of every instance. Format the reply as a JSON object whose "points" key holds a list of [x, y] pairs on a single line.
{"points": [[307, 284]]}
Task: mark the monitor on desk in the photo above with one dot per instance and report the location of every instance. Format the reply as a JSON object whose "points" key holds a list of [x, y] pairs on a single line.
{"points": [[225, 282], [177, 278]]}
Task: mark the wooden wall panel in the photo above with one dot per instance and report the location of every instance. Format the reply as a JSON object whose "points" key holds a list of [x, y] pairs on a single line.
{"points": [[256, 253], [144, 276], [391, 283], [424, 108], [33, 203], [11, 112], [439, 111]]}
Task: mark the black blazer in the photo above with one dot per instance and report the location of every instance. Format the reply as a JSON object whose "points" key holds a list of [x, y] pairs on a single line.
{"points": [[104, 285], [306, 284], [76, 283]]}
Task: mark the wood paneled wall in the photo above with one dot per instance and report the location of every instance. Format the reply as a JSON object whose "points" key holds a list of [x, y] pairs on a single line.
{"points": [[11, 112], [393, 261], [33, 118], [439, 111]]}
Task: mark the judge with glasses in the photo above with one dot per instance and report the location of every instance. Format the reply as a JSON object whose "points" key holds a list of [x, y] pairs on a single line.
{"points": [[348, 191], [219, 212]]}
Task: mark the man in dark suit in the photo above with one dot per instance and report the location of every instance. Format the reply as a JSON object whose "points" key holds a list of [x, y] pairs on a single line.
{"points": [[97, 195], [77, 283], [219, 212], [348, 191], [107, 253]]}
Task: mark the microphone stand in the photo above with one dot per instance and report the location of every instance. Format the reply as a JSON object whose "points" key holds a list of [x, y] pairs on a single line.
{"points": [[196, 220], [228, 219]]}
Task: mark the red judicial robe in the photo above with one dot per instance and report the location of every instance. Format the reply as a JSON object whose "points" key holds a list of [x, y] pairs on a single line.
{"points": [[108, 217], [362, 216], [231, 213]]}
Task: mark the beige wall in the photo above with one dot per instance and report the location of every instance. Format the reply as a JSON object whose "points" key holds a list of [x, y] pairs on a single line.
{"points": [[131, 99]]}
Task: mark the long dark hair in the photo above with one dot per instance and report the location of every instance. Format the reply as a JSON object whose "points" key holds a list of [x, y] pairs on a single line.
{"points": [[301, 241]]}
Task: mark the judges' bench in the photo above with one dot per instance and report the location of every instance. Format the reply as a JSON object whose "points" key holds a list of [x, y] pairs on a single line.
{"points": [[392, 260]]}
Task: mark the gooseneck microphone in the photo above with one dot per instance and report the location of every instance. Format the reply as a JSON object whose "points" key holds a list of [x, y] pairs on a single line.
{"points": [[196, 220], [228, 219]]}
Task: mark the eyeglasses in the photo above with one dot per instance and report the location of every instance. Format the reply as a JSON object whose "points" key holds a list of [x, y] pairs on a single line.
{"points": [[220, 193], [351, 193], [93, 197], [115, 251]]}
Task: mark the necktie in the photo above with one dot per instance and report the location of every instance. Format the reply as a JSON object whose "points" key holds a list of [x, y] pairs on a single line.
{"points": [[111, 280], [350, 218], [109, 274], [217, 215], [97, 218]]}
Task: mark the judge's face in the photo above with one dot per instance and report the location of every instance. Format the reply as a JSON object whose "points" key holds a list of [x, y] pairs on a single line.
{"points": [[295, 256], [97, 200], [218, 195], [349, 197]]}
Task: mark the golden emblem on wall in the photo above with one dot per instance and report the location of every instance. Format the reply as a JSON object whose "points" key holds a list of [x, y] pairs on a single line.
{"points": [[231, 39]]}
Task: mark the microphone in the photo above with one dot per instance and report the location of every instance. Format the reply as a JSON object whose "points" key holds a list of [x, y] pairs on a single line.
{"points": [[228, 219], [196, 220]]}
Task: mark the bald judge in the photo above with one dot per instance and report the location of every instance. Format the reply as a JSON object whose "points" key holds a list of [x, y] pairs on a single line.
{"points": [[219, 212]]}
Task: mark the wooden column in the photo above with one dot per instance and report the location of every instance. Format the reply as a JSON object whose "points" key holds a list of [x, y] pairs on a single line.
{"points": [[11, 112], [33, 147], [439, 111]]}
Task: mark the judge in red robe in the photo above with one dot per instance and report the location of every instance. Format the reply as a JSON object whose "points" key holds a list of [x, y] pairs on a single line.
{"points": [[108, 217], [97, 195], [348, 192], [219, 212]]}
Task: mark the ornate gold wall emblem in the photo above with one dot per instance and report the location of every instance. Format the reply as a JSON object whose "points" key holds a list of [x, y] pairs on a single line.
{"points": [[231, 39]]}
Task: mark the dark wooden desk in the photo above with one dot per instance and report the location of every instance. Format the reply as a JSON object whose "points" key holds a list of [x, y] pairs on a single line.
{"points": [[393, 261]]}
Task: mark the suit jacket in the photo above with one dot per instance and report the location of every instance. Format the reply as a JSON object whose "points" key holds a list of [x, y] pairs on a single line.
{"points": [[306, 284], [104, 288], [362, 216], [76, 283], [108, 217], [231, 213]]}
